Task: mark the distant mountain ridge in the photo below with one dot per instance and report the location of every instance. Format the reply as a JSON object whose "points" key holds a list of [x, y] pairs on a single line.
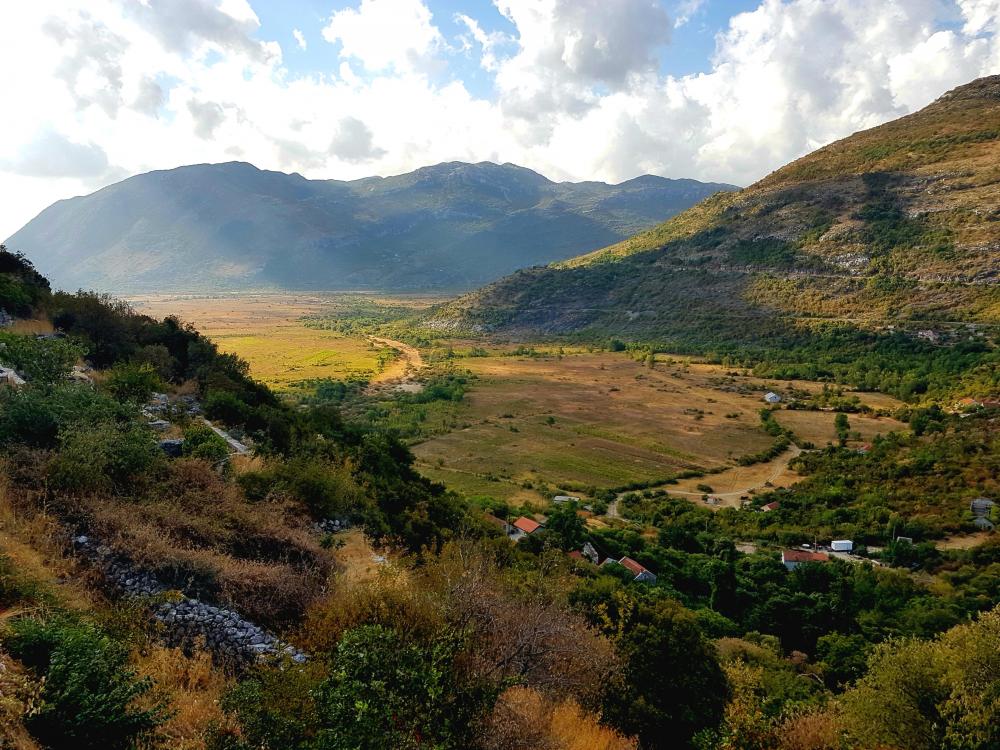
{"points": [[233, 226], [897, 223]]}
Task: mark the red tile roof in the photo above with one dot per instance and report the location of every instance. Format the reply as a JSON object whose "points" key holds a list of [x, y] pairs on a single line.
{"points": [[770, 506], [803, 555], [527, 525], [576, 555], [632, 565]]}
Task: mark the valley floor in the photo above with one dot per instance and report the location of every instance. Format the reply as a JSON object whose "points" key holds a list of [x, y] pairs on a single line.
{"points": [[535, 419]]}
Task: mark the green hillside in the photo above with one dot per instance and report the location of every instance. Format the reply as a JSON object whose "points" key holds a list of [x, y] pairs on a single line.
{"points": [[894, 226]]}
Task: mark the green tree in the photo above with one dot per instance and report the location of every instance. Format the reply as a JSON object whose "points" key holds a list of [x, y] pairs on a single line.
{"points": [[671, 686], [566, 528]]}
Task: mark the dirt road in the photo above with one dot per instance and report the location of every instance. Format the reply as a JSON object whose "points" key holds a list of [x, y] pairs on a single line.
{"points": [[398, 374], [745, 479]]}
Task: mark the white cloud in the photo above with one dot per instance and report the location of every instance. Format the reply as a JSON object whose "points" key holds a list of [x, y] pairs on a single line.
{"points": [[384, 34], [686, 10], [300, 39], [107, 87], [52, 154]]}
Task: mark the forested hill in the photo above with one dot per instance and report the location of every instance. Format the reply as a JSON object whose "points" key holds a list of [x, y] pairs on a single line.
{"points": [[894, 224], [233, 226]]}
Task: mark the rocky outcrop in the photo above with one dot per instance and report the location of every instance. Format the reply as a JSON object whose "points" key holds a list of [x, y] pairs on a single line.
{"points": [[233, 641]]}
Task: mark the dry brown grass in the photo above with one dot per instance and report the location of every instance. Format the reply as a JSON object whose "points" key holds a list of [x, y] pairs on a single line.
{"points": [[193, 688], [18, 693], [30, 326], [197, 532], [616, 421], [524, 719]]}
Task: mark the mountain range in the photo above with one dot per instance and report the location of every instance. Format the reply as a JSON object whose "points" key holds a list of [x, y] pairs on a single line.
{"points": [[897, 223], [234, 226]]}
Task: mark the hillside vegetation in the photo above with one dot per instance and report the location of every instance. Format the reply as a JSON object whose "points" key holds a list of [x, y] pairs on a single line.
{"points": [[233, 226], [895, 226]]}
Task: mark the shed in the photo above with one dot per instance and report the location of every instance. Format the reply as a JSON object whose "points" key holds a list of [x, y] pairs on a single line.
{"points": [[772, 398], [842, 545]]}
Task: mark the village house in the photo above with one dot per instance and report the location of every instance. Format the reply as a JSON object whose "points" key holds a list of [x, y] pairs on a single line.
{"points": [[639, 572], [768, 507], [793, 558], [772, 398], [559, 499], [524, 526]]}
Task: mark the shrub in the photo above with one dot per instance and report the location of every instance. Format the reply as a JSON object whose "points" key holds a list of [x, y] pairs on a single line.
{"points": [[201, 441], [37, 417], [90, 696], [42, 361], [104, 457], [133, 381]]}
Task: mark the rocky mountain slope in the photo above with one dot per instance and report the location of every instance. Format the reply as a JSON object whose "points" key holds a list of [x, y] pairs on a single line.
{"points": [[897, 223], [449, 226]]}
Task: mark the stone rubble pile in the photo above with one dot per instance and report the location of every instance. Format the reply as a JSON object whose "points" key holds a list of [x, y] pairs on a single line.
{"points": [[231, 639]]}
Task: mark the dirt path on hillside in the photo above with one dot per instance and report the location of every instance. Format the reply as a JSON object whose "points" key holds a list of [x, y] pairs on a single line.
{"points": [[399, 374], [738, 481]]}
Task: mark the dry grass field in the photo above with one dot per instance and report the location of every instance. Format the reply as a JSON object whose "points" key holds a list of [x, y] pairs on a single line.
{"points": [[267, 330], [604, 420], [532, 424]]}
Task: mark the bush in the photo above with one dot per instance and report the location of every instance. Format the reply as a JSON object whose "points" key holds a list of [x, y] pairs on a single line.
{"points": [[201, 441], [89, 696], [105, 457], [134, 381], [37, 417], [41, 361]]}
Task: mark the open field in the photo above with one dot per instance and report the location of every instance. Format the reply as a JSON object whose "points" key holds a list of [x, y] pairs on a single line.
{"points": [[602, 420], [528, 425], [269, 332]]}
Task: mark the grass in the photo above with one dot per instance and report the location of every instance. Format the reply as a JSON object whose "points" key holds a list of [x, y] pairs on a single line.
{"points": [[531, 425], [270, 331]]}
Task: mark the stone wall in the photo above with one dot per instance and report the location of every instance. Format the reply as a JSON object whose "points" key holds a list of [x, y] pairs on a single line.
{"points": [[233, 641]]}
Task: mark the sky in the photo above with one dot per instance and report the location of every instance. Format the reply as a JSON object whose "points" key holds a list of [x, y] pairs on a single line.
{"points": [[94, 91]]}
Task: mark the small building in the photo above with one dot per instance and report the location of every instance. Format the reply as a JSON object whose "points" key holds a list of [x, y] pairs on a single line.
{"points": [[864, 449], [793, 558], [773, 505], [559, 499], [638, 571], [522, 527], [772, 398], [591, 553], [842, 545], [575, 555]]}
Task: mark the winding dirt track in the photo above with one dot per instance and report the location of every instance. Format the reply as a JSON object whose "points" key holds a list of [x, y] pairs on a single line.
{"points": [[731, 497], [400, 372]]}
